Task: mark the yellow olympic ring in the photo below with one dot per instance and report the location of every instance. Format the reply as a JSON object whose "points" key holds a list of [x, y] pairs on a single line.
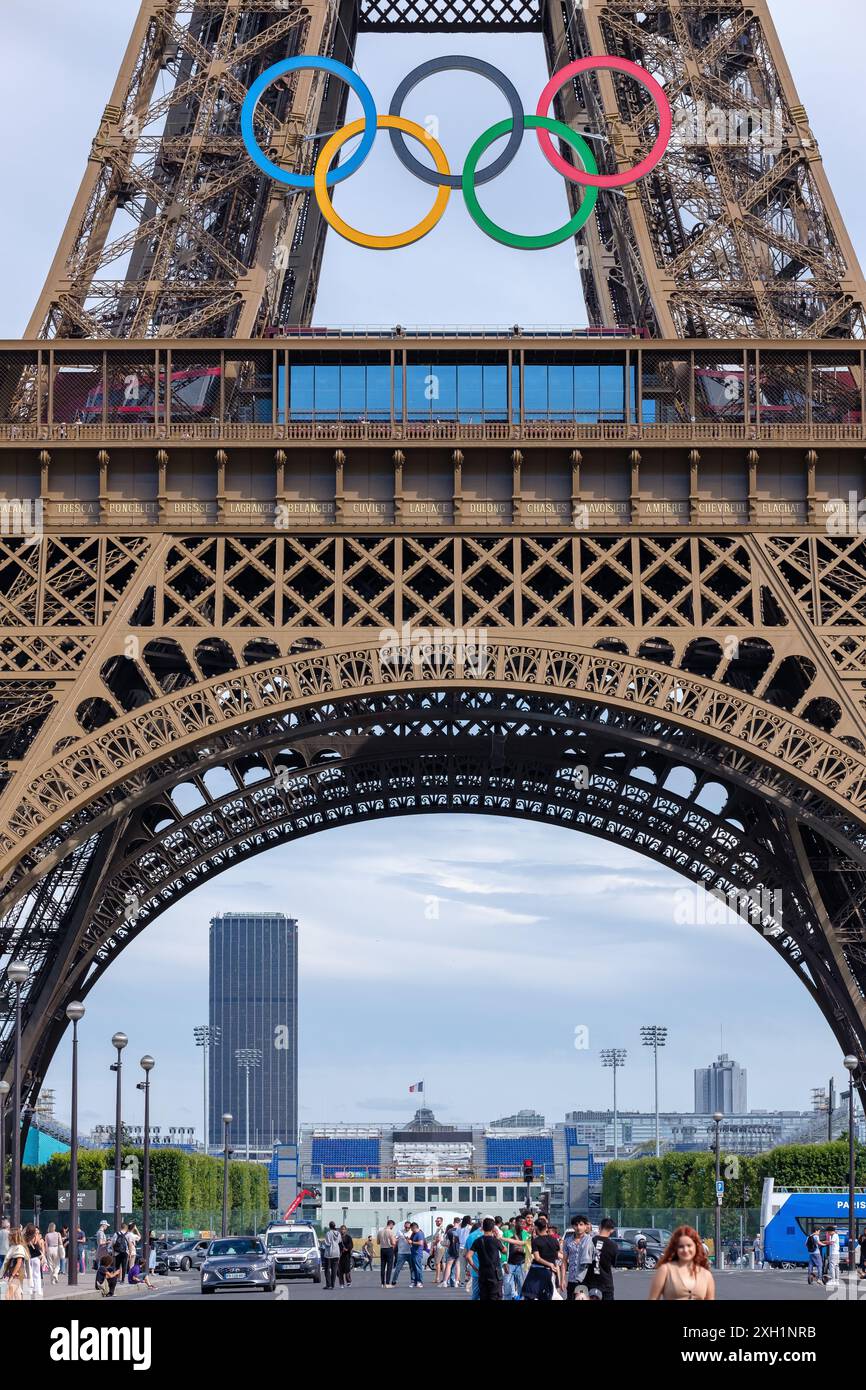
{"points": [[380, 243]]}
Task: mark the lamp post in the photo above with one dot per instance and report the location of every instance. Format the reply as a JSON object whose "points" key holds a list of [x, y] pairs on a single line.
{"points": [[248, 1057], [851, 1064], [655, 1037], [5, 1088], [227, 1119], [119, 1042], [18, 973], [205, 1038], [717, 1121], [74, 1012], [147, 1065], [614, 1057]]}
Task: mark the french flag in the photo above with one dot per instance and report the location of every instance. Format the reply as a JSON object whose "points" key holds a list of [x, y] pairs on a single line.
{"points": [[419, 1086]]}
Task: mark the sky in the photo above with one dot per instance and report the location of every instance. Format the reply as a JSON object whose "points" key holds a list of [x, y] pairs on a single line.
{"points": [[462, 951]]}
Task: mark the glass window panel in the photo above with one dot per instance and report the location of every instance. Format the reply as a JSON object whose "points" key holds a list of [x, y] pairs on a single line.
{"points": [[417, 399], [586, 402], [344, 1194], [443, 392], [420, 1194], [560, 387], [515, 394], [490, 1194], [375, 1194], [357, 1194], [464, 1194], [302, 393], [389, 1194], [353, 392], [432, 1194], [469, 392], [398, 392], [402, 1194], [330, 1194], [612, 390], [447, 1194], [495, 392], [379, 393], [535, 391], [327, 402], [508, 1194]]}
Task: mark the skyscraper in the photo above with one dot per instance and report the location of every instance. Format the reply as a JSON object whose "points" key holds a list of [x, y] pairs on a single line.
{"points": [[254, 1004], [720, 1087]]}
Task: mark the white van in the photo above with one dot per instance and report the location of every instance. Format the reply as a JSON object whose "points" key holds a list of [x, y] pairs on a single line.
{"points": [[295, 1250]]}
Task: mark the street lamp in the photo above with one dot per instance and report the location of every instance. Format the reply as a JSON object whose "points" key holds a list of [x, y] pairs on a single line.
{"points": [[74, 1012], [18, 973], [205, 1038], [248, 1057], [147, 1065], [717, 1121], [851, 1065], [5, 1088], [227, 1119], [655, 1037], [119, 1042], [614, 1057]]}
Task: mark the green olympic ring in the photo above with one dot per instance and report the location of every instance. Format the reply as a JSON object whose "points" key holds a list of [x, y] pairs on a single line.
{"points": [[529, 243]]}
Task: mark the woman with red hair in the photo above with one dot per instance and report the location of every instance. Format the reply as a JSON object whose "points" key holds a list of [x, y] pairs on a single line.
{"points": [[683, 1272]]}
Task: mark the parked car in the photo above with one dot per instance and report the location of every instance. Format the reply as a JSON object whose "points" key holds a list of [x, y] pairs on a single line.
{"points": [[238, 1262], [626, 1257], [295, 1250], [187, 1254]]}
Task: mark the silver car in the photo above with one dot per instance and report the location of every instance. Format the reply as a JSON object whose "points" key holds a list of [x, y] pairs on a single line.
{"points": [[238, 1262]]}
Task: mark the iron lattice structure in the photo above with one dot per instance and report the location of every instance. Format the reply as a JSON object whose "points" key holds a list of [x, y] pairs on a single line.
{"points": [[175, 233]]}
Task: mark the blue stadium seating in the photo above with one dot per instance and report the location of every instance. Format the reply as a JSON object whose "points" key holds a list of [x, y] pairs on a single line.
{"points": [[510, 1153], [353, 1155]]}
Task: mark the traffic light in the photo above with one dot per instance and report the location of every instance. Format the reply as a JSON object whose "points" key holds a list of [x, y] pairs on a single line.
{"points": [[528, 1170]]}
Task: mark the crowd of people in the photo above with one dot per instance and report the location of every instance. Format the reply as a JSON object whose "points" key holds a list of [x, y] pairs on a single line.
{"points": [[28, 1258], [525, 1258]]}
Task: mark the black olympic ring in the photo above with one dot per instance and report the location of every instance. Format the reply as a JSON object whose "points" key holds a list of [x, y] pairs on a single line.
{"points": [[451, 64]]}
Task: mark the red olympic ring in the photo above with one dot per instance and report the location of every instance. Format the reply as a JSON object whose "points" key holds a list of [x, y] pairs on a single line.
{"points": [[640, 75]]}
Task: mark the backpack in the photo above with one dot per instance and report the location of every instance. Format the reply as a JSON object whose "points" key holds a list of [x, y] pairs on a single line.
{"points": [[332, 1244], [811, 1245], [121, 1245]]}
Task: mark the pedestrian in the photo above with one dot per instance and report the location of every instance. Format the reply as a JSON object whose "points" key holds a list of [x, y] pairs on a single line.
{"points": [[600, 1277], [331, 1253], [683, 1271], [862, 1244], [367, 1252], [759, 1254], [15, 1264], [82, 1250], [475, 1234], [64, 1245], [578, 1257], [439, 1246], [514, 1268], [133, 1236], [53, 1248], [487, 1252], [640, 1244], [419, 1246], [464, 1231], [103, 1240], [120, 1250], [4, 1239], [107, 1275], [452, 1256], [831, 1269], [139, 1276], [344, 1263], [387, 1250], [35, 1256], [813, 1250], [403, 1251], [540, 1281]]}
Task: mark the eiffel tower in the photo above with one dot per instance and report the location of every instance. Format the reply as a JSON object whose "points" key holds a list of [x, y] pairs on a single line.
{"points": [[253, 584]]}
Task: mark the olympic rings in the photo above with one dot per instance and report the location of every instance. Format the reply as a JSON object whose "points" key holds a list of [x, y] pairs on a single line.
{"points": [[457, 62], [441, 178], [381, 243], [270, 75], [529, 243], [559, 79]]}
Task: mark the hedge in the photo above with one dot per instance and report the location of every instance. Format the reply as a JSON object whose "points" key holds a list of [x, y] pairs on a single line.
{"points": [[180, 1182], [688, 1179]]}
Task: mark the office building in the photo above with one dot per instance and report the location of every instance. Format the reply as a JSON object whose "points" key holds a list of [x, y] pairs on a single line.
{"points": [[254, 1012], [720, 1087]]}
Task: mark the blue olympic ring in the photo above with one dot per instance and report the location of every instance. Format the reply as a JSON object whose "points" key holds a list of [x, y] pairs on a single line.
{"points": [[270, 75]]}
